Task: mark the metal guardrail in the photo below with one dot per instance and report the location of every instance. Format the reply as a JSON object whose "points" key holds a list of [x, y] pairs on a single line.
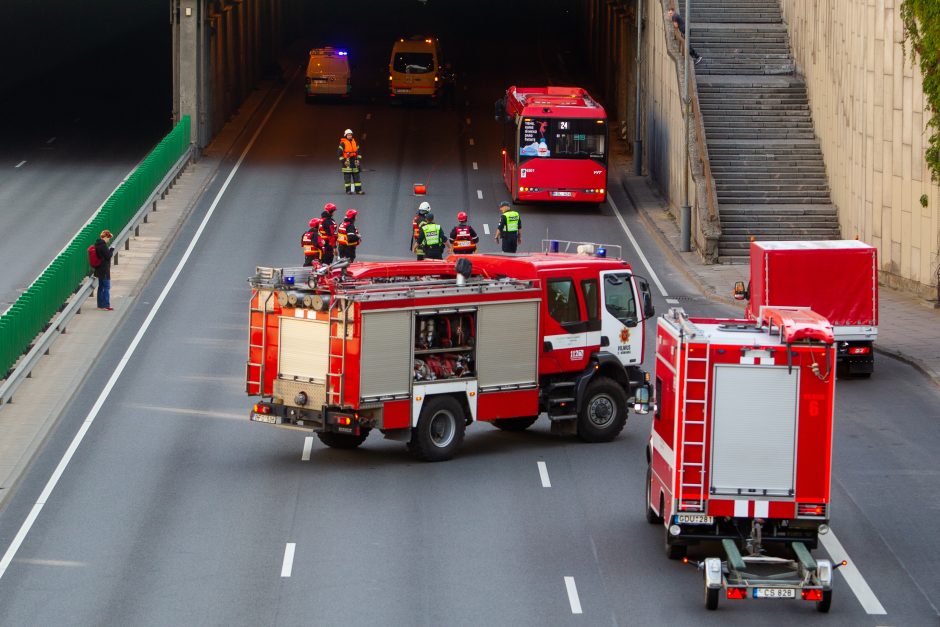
{"points": [[70, 267]]}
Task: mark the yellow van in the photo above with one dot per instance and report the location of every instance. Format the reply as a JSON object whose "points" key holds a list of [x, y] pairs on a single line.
{"points": [[328, 73], [415, 68]]}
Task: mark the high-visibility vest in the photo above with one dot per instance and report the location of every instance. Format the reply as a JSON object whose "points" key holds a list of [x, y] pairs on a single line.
{"points": [[432, 234], [349, 147], [347, 235], [309, 242], [512, 221], [463, 239]]}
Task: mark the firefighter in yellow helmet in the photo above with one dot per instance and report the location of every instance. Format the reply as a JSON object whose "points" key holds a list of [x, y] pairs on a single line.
{"points": [[349, 159]]}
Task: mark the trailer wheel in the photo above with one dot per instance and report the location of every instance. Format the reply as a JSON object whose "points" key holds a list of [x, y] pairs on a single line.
{"points": [[440, 430], [343, 440], [711, 598], [651, 516], [674, 551], [604, 413], [823, 606], [515, 424]]}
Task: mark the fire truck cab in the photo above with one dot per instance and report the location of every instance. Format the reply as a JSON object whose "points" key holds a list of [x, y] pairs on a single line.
{"points": [[420, 350]]}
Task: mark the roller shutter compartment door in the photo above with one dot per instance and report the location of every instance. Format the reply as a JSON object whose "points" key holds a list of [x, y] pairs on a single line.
{"points": [[304, 348], [507, 344], [386, 368], [754, 427]]}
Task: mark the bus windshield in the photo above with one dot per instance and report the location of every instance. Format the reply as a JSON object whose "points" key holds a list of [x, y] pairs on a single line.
{"points": [[563, 139], [414, 62]]}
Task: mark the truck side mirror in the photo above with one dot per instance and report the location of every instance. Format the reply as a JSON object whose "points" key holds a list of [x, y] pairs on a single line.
{"points": [[648, 310], [740, 292]]}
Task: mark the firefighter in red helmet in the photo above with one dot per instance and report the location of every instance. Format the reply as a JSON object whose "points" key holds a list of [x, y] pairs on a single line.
{"points": [[463, 238], [310, 242], [327, 233], [347, 236]]}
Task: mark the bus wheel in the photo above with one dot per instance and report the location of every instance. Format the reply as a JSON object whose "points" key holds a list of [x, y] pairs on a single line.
{"points": [[343, 440], [440, 430], [515, 424], [604, 413]]}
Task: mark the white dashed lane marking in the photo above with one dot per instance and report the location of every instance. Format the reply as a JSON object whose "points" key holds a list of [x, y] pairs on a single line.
{"points": [[368, 116], [543, 474], [486, 228], [471, 142], [672, 301], [475, 167], [50, 140], [308, 447], [573, 595], [468, 121], [288, 566], [480, 194], [23, 162]]}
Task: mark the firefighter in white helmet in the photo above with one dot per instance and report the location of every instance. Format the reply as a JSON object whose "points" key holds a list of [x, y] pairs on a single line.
{"points": [[349, 159], [416, 223]]}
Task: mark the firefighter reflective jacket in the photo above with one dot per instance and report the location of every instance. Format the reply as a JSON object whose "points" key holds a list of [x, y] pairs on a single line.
{"points": [[347, 234], [416, 223], [327, 230], [349, 154], [464, 238], [310, 242]]}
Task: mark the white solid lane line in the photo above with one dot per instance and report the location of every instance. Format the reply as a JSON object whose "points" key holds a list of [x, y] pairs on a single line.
{"points": [[288, 566], [23, 162], [471, 141], [480, 194], [573, 595], [308, 447], [626, 229], [486, 228], [90, 418], [543, 474], [853, 577], [475, 167]]}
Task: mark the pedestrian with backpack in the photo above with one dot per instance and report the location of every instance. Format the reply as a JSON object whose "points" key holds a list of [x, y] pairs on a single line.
{"points": [[99, 256]]}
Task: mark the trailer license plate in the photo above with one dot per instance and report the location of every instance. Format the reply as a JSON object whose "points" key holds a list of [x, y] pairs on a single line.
{"points": [[562, 194], [774, 593], [268, 418], [695, 519]]}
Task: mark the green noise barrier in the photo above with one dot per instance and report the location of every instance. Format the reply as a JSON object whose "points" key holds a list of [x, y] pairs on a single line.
{"points": [[35, 308]]}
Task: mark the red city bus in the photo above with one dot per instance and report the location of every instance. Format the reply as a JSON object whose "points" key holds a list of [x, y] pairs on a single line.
{"points": [[554, 144]]}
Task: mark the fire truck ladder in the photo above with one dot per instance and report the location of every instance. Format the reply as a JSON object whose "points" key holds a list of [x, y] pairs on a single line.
{"points": [[263, 332], [694, 399], [335, 377]]}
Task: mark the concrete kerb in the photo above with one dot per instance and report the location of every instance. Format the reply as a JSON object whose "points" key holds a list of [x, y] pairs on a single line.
{"points": [[49, 420], [662, 240]]}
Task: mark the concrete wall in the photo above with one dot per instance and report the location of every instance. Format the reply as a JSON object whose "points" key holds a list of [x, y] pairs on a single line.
{"points": [[868, 108]]}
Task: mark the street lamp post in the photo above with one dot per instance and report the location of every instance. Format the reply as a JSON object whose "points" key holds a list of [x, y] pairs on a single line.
{"points": [[685, 216]]}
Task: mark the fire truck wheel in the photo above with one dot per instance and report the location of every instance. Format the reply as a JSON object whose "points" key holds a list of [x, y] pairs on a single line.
{"points": [[604, 413], [344, 440], [711, 598], [515, 424], [440, 430], [823, 606], [674, 551], [651, 516]]}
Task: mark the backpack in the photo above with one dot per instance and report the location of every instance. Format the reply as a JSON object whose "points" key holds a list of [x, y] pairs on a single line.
{"points": [[93, 257]]}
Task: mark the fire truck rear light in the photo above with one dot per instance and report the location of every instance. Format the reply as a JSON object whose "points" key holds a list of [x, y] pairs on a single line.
{"points": [[811, 510], [859, 350], [343, 420], [737, 593], [262, 409], [813, 594]]}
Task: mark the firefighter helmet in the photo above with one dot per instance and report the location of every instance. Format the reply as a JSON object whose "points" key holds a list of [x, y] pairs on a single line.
{"points": [[329, 207], [314, 222], [461, 216], [348, 131], [352, 213], [424, 207]]}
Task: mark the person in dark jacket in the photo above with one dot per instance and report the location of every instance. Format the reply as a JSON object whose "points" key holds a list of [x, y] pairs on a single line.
{"points": [[679, 24], [103, 270]]}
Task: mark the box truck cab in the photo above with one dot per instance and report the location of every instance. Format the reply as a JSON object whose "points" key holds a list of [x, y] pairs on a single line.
{"points": [[328, 73], [415, 67]]}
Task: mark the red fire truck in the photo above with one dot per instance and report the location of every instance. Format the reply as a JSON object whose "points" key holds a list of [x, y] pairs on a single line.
{"points": [[554, 144], [807, 273], [741, 446], [419, 350]]}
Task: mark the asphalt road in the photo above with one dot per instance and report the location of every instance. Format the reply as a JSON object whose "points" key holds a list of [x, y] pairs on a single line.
{"points": [[175, 510]]}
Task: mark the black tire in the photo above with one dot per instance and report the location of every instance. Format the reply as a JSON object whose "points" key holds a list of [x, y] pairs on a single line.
{"points": [[604, 413], [515, 424], [674, 551], [711, 598], [651, 516], [440, 430], [823, 606], [343, 440]]}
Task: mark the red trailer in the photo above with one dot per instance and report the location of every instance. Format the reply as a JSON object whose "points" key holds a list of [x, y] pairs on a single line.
{"points": [[836, 278], [741, 442]]}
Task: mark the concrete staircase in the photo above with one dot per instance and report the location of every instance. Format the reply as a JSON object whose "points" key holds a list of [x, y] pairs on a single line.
{"points": [[766, 162]]}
